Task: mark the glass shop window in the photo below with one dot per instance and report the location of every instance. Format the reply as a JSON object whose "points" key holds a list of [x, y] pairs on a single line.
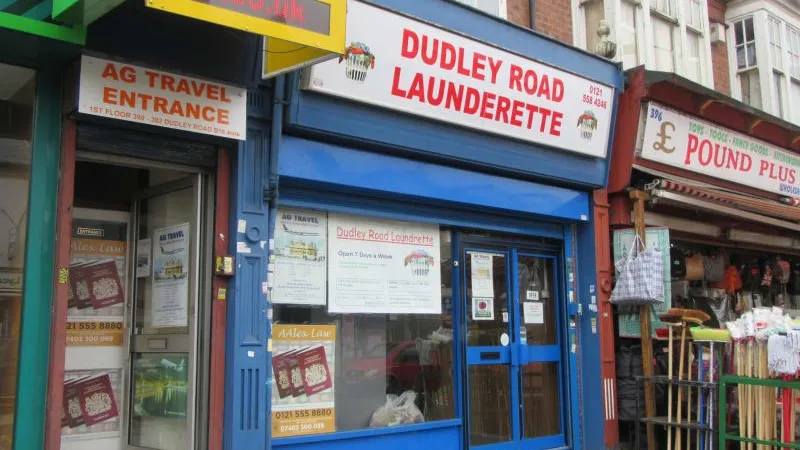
{"points": [[362, 323], [17, 93]]}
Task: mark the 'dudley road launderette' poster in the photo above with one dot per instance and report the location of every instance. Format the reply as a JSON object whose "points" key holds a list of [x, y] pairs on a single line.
{"points": [[383, 266], [170, 307]]}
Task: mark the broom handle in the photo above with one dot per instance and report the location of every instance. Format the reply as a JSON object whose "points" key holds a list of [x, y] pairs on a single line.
{"points": [[701, 400], [711, 393], [689, 400], [741, 396], [669, 393], [678, 435]]}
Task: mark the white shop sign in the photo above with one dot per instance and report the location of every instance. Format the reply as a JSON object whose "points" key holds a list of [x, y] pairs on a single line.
{"points": [[124, 91], [679, 140], [401, 64]]}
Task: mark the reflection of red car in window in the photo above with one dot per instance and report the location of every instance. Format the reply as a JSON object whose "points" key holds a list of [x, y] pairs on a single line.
{"points": [[398, 362]]}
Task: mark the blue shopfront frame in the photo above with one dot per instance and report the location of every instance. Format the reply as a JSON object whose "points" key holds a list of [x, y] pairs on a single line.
{"points": [[323, 176], [306, 149]]}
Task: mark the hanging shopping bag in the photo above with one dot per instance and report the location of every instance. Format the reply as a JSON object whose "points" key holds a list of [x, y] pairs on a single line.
{"points": [[641, 277]]}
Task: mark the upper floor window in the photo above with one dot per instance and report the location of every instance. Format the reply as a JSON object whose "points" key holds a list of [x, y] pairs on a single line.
{"points": [[745, 38], [775, 44], [694, 14], [665, 7], [494, 7], [794, 51], [663, 35]]}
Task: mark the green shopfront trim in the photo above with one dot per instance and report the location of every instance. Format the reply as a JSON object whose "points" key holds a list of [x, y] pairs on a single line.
{"points": [[34, 337]]}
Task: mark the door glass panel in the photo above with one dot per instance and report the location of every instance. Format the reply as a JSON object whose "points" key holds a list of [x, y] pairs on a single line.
{"points": [[537, 300], [160, 400], [166, 308], [541, 400], [487, 298], [165, 300], [489, 404]]}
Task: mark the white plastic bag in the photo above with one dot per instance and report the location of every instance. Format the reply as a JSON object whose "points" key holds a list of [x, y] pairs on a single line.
{"points": [[397, 411]]}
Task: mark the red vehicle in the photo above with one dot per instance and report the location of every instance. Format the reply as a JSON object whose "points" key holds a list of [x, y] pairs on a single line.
{"points": [[398, 362]]}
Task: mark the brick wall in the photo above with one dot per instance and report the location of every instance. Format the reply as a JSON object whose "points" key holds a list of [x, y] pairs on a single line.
{"points": [[719, 51], [519, 12], [553, 17]]}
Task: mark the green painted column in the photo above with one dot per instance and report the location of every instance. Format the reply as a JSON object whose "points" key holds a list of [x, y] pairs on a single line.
{"points": [[34, 340]]}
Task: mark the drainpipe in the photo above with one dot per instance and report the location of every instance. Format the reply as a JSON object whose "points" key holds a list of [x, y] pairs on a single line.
{"points": [[278, 101], [532, 9]]}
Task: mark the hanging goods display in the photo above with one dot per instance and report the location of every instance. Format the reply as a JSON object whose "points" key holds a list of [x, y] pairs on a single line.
{"points": [[640, 280]]}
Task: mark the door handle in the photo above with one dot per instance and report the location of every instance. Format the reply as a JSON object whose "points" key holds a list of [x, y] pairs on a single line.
{"points": [[488, 356]]}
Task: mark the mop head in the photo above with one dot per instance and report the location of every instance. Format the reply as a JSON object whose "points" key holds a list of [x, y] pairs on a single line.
{"points": [[703, 334], [783, 356]]}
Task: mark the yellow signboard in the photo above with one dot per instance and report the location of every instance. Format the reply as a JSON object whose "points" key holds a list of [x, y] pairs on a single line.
{"points": [[297, 32]]}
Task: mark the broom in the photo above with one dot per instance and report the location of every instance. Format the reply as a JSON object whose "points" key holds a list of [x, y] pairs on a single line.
{"points": [[711, 336], [670, 321], [687, 316]]}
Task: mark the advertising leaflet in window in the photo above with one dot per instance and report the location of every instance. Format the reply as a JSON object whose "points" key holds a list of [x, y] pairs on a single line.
{"points": [[300, 257], [96, 281], [383, 266], [303, 364], [170, 277]]}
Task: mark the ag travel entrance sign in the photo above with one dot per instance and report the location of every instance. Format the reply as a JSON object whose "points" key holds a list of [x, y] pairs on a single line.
{"points": [[123, 91], [297, 32], [679, 140], [401, 64]]}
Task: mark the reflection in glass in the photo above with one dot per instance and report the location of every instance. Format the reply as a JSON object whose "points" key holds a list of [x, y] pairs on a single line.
{"points": [[160, 400], [16, 122], [540, 400], [489, 404], [377, 355]]}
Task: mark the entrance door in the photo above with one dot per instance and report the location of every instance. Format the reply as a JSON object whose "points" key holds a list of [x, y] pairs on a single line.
{"points": [[515, 333], [162, 376]]}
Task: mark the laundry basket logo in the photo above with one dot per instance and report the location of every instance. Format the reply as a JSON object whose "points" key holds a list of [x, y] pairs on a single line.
{"points": [[420, 263], [358, 61], [587, 124]]}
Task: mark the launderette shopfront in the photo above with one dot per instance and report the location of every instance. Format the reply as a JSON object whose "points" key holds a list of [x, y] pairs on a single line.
{"points": [[431, 272]]}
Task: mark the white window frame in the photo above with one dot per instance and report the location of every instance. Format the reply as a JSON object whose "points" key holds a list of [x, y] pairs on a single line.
{"points": [[793, 47], [502, 7], [778, 74], [645, 9]]}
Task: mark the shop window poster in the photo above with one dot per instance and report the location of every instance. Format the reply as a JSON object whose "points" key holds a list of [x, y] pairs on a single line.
{"points": [[303, 367], [91, 403], [96, 281], [629, 326], [383, 266], [170, 282], [300, 257], [160, 385]]}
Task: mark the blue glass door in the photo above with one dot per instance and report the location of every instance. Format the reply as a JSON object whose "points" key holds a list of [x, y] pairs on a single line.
{"points": [[514, 319]]}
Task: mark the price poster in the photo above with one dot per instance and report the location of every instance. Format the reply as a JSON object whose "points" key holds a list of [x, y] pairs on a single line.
{"points": [[303, 366]]}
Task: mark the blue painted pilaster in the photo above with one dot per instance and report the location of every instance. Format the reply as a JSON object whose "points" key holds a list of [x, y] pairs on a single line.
{"points": [[247, 369], [591, 382]]}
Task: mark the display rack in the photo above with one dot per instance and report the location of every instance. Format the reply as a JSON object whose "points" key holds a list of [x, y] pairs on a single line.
{"points": [[702, 387], [730, 381]]}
